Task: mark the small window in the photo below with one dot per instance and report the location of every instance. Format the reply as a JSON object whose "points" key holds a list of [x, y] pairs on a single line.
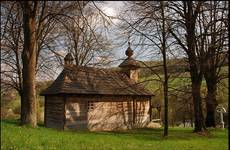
{"points": [[119, 105], [91, 105], [139, 115]]}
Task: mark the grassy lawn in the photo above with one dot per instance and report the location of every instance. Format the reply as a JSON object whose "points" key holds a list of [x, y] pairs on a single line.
{"points": [[26, 138]]}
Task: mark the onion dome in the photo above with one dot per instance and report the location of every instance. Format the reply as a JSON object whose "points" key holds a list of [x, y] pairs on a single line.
{"points": [[68, 59], [129, 61], [129, 51]]}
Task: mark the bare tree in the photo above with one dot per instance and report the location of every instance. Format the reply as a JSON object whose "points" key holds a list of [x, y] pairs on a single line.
{"points": [[11, 46], [31, 54], [213, 39], [85, 37], [28, 109], [13, 42], [187, 13], [162, 6]]}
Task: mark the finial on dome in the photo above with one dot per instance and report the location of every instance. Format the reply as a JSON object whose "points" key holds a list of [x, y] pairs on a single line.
{"points": [[129, 51]]}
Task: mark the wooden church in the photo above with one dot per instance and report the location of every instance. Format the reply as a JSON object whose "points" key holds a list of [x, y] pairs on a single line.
{"points": [[97, 99]]}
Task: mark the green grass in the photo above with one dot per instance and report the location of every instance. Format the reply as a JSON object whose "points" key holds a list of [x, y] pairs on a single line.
{"points": [[14, 136]]}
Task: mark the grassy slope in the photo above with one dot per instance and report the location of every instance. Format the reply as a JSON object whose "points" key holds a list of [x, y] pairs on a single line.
{"points": [[175, 82], [16, 137]]}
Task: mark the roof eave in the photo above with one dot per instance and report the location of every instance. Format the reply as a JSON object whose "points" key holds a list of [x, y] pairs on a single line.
{"points": [[45, 94]]}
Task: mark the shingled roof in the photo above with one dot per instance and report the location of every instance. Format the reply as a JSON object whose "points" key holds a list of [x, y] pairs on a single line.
{"points": [[90, 80], [130, 62]]}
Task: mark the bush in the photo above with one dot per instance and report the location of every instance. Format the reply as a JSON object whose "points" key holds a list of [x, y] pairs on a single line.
{"points": [[17, 110]]}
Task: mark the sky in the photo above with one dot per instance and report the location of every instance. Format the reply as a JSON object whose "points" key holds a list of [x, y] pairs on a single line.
{"points": [[120, 42], [114, 8]]}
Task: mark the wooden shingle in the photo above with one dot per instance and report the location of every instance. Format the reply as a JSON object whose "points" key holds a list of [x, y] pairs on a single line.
{"points": [[90, 80]]}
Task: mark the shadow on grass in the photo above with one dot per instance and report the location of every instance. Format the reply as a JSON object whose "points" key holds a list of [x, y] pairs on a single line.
{"points": [[139, 134], [15, 122], [152, 134], [41, 124]]}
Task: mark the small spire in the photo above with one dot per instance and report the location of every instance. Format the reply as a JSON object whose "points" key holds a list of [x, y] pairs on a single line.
{"points": [[129, 39]]}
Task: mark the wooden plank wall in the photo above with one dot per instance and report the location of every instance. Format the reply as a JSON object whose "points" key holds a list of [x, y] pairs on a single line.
{"points": [[108, 113], [54, 112], [142, 113], [111, 115], [76, 113]]}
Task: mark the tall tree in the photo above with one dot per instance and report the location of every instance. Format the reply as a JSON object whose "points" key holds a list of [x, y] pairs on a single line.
{"points": [[24, 57], [213, 25], [12, 46], [187, 12], [38, 20], [28, 108], [162, 7]]}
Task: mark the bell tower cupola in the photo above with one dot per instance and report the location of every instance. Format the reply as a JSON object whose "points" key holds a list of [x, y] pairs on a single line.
{"points": [[130, 66]]}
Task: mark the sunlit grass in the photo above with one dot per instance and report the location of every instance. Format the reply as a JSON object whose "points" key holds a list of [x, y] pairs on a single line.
{"points": [[14, 136]]}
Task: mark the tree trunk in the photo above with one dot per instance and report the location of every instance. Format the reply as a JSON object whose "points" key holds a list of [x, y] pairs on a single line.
{"points": [[165, 70], [199, 119], [191, 115], [211, 82], [211, 103], [184, 120], [195, 62], [191, 119], [190, 15], [28, 112]]}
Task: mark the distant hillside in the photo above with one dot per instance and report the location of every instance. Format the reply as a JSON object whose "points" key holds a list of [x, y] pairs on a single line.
{"points": [[174, 66]]}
